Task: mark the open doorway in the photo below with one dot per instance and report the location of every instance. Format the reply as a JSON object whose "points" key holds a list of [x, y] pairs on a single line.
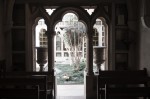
{"points": [[70, 52], [70, 56]]}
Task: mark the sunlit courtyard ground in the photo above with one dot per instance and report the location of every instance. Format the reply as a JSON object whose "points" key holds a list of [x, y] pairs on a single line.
{"points": [[70, 90], [66, 75]]}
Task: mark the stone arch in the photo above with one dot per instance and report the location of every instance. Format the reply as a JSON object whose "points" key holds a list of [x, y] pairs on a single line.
{"points": [[38, 14], [41, 12], [101, 14], [70, 11], [60, 12], [82, 15]]}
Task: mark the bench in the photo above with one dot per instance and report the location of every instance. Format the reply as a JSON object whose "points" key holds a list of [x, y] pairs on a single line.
{"points": [[23, 88], [49, 82], [116, 74], [123, 73], [19, 93], [131, 87], [27, 82]]}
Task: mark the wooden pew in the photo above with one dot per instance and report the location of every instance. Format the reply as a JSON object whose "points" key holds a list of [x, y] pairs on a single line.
{"points": [[114, 74], [49, 83], [123, 73], [27, 81], [131, 87], [23, 88], [2, 66], [19, 93]]}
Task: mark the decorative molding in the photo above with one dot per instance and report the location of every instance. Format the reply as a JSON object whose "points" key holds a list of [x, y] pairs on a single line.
{"points": [[67, 2], [147, 12]]}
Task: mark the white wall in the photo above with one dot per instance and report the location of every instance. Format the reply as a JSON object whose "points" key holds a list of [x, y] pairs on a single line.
{"points": [[2, 45]]}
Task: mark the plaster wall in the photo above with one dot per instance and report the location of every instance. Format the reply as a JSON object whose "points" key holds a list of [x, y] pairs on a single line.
{"points": [[144, 46], [144, 30], [2, 45]]}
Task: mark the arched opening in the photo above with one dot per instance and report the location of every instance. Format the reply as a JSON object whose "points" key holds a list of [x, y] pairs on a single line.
{"points": [[63, 53], [100, 45], [70, 54], [40, 45]]}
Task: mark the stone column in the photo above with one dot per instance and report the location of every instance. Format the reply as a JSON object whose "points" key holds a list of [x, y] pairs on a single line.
{"points": [[50, 36], [89, 77], [89, 67]]}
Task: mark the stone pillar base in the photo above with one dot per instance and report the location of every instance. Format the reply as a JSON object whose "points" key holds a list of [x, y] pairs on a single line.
{"points": [[90, 87]]}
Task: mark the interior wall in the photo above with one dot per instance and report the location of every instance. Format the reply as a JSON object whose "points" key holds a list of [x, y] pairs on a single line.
{"points": [[2, 45], [133, 33], [144, 46], [144, 40]]}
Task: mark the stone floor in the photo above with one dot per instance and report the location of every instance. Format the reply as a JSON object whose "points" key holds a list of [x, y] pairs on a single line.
{"points": [[70, 91], [70, 97]]}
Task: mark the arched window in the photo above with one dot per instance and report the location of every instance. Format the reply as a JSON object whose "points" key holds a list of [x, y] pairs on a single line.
{"points": [[40, 40], [100, 41]]}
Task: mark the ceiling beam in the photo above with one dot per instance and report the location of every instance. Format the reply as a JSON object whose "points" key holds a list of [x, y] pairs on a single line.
{"points": [[67, 2]]}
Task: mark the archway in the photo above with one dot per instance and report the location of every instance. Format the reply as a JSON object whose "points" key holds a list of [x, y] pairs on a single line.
{"points": [[100, 40], [52, 21], [70, 55], [40, 43]]}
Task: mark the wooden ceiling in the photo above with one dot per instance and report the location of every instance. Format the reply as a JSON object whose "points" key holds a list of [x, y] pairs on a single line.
{"points": [[67, 2]]}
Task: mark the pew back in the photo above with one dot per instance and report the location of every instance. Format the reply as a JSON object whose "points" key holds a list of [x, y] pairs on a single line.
{"points": [[132, 87], [117, 78], [23, 88], [50, 78], [120, 74], [123, 73], [26, 82], [19, 93]]}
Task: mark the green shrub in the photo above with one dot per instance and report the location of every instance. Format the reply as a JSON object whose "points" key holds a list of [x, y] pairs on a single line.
{"points": [[75, 76]]}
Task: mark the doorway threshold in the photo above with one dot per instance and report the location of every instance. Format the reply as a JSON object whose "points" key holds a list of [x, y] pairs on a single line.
{"points": [[70, 97], [70, 90]]}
